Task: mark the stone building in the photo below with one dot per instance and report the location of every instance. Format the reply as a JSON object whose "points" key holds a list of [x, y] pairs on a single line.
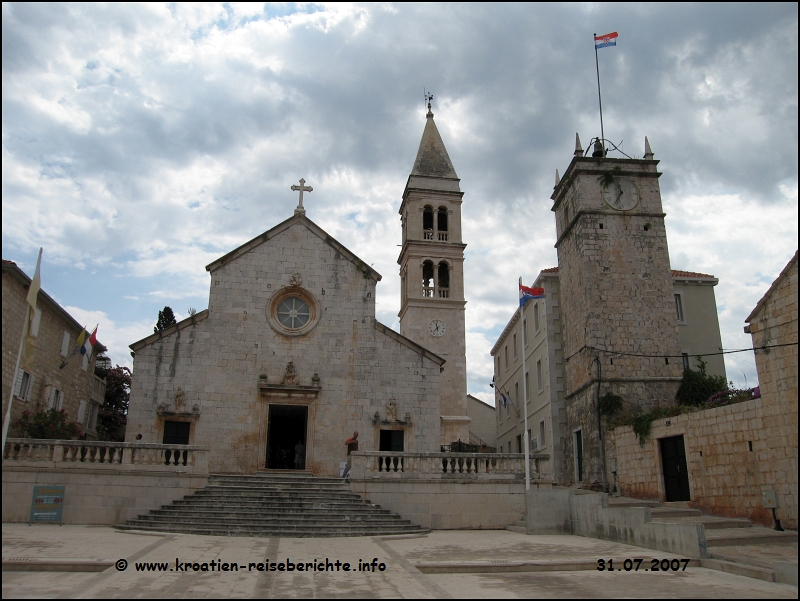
{"points": [[541, 333], [482, 428], [41, 382], [288, 360], [539, 337], [617, 297]]}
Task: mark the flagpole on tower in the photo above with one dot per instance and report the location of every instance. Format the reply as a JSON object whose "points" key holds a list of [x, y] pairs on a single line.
{"points": [[599, 97]]}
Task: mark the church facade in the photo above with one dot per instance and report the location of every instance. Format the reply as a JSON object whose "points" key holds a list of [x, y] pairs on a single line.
{"points": [[289, 360]]}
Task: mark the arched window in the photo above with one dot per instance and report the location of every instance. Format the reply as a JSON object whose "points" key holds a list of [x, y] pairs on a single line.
{"points": [[427, 278], [444, 280], [441, 224], [427, 222]]}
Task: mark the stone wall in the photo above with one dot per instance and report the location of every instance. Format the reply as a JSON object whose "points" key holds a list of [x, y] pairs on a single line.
{"points": [[94, 495], [449, 504], [732, 454]]}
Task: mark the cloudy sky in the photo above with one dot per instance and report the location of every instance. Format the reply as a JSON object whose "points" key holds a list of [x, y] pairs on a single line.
{"points": [[141, 142]]}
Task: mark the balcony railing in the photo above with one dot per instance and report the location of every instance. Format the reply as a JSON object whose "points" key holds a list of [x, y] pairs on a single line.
{"points": [[427, 291], [477, 466], [155, 457], [427, 235], [444, 292], [442, 236]]}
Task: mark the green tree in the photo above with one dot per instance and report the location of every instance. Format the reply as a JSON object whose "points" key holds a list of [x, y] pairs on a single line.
{"points": [[50, 424], [113, 415], [166, 318]]}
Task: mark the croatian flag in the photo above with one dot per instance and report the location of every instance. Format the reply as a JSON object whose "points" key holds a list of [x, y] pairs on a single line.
{"points": [[504, 400], [88, 345], [526, 294], [609, 39]]}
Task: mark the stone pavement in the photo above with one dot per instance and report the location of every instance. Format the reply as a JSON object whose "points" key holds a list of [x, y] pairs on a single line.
{"points": [[444, 564]]}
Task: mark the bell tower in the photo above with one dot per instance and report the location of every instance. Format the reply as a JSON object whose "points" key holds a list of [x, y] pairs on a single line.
{"points": [[619, 322], [432, 274]]}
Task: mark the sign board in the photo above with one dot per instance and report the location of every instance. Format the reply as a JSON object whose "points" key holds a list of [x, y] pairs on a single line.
{"points": [[47, 504], [770, 499]]}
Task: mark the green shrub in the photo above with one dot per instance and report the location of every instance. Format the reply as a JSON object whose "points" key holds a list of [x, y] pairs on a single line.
{"points": [[610, 404], [50, 424], [697, 386]]}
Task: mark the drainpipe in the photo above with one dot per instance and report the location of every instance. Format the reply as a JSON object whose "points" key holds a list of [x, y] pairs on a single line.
{"points": [[596, 359]]}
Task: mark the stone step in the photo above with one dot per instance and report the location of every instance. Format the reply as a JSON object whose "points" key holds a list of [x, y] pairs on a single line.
{"points": [[629, 502], [673, 512], [724, 537], [711, 522], [274, 505], [294, 533]]}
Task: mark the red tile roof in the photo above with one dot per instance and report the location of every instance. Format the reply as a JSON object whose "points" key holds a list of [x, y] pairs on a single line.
{"points": [[550, 270], [677, 273]]}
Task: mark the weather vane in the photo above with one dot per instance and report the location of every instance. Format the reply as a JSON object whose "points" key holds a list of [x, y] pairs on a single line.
{"points": [[428, 98]]}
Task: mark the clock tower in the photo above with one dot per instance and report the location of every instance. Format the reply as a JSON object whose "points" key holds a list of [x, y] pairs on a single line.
{"points": [[618, 310], [432, 274]]}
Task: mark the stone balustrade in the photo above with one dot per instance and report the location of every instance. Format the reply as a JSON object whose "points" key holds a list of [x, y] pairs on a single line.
{"points": [[89, 453], [474, 466]]}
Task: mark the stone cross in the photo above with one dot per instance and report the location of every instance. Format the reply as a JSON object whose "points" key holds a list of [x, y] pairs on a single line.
{"points": [[301, 188]]}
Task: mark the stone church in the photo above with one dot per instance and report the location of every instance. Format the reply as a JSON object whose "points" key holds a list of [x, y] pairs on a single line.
{"points": [[288, 360]]}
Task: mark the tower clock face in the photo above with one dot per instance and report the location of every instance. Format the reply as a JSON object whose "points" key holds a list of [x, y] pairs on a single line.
{"points": [[622, 194], [436, 327]]}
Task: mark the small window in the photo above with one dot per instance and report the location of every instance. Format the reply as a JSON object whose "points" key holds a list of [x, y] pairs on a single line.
{"points": [[539, 381], [679, 308], [23, 385], [65, 344], [542, 440], [55, 399], [524, 332], [536, 317], [516, 392], [427, 279], [685, 357], [505, 352], [515, 345], [527, 387]]}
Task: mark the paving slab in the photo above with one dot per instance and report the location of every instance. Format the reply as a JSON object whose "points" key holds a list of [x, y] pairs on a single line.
{"points": [[163, 565]]}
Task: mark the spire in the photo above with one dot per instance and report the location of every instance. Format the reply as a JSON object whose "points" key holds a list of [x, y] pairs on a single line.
{"points": [[648, 153], [578, 148], [432, 158], [558, 178]]}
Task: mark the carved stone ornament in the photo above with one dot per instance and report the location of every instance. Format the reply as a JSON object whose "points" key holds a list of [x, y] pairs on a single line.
{"points": [[296, 279], [179, 402], [290, 377], [162, 407], [391, 411]]}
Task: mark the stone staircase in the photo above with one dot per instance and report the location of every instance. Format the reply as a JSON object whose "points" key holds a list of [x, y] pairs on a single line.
{"points": [[269, 505]]}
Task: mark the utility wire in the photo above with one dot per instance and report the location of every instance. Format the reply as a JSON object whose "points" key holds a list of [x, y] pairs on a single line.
{"points": [[724, 352]]}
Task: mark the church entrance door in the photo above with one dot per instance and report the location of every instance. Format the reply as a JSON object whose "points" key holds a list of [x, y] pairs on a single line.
{"points": [[286, 437], [676, 476]]}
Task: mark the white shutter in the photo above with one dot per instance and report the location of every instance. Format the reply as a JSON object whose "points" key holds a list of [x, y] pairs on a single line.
{"points": [[65, 345], [26, 394], [59, 400], [37, 317], [85, 362], [81, 411], [51, 396], [18, 383]]}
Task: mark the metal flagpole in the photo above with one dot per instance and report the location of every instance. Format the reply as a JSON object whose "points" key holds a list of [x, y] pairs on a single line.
{"points": [[525, 398], [599, 98]]}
